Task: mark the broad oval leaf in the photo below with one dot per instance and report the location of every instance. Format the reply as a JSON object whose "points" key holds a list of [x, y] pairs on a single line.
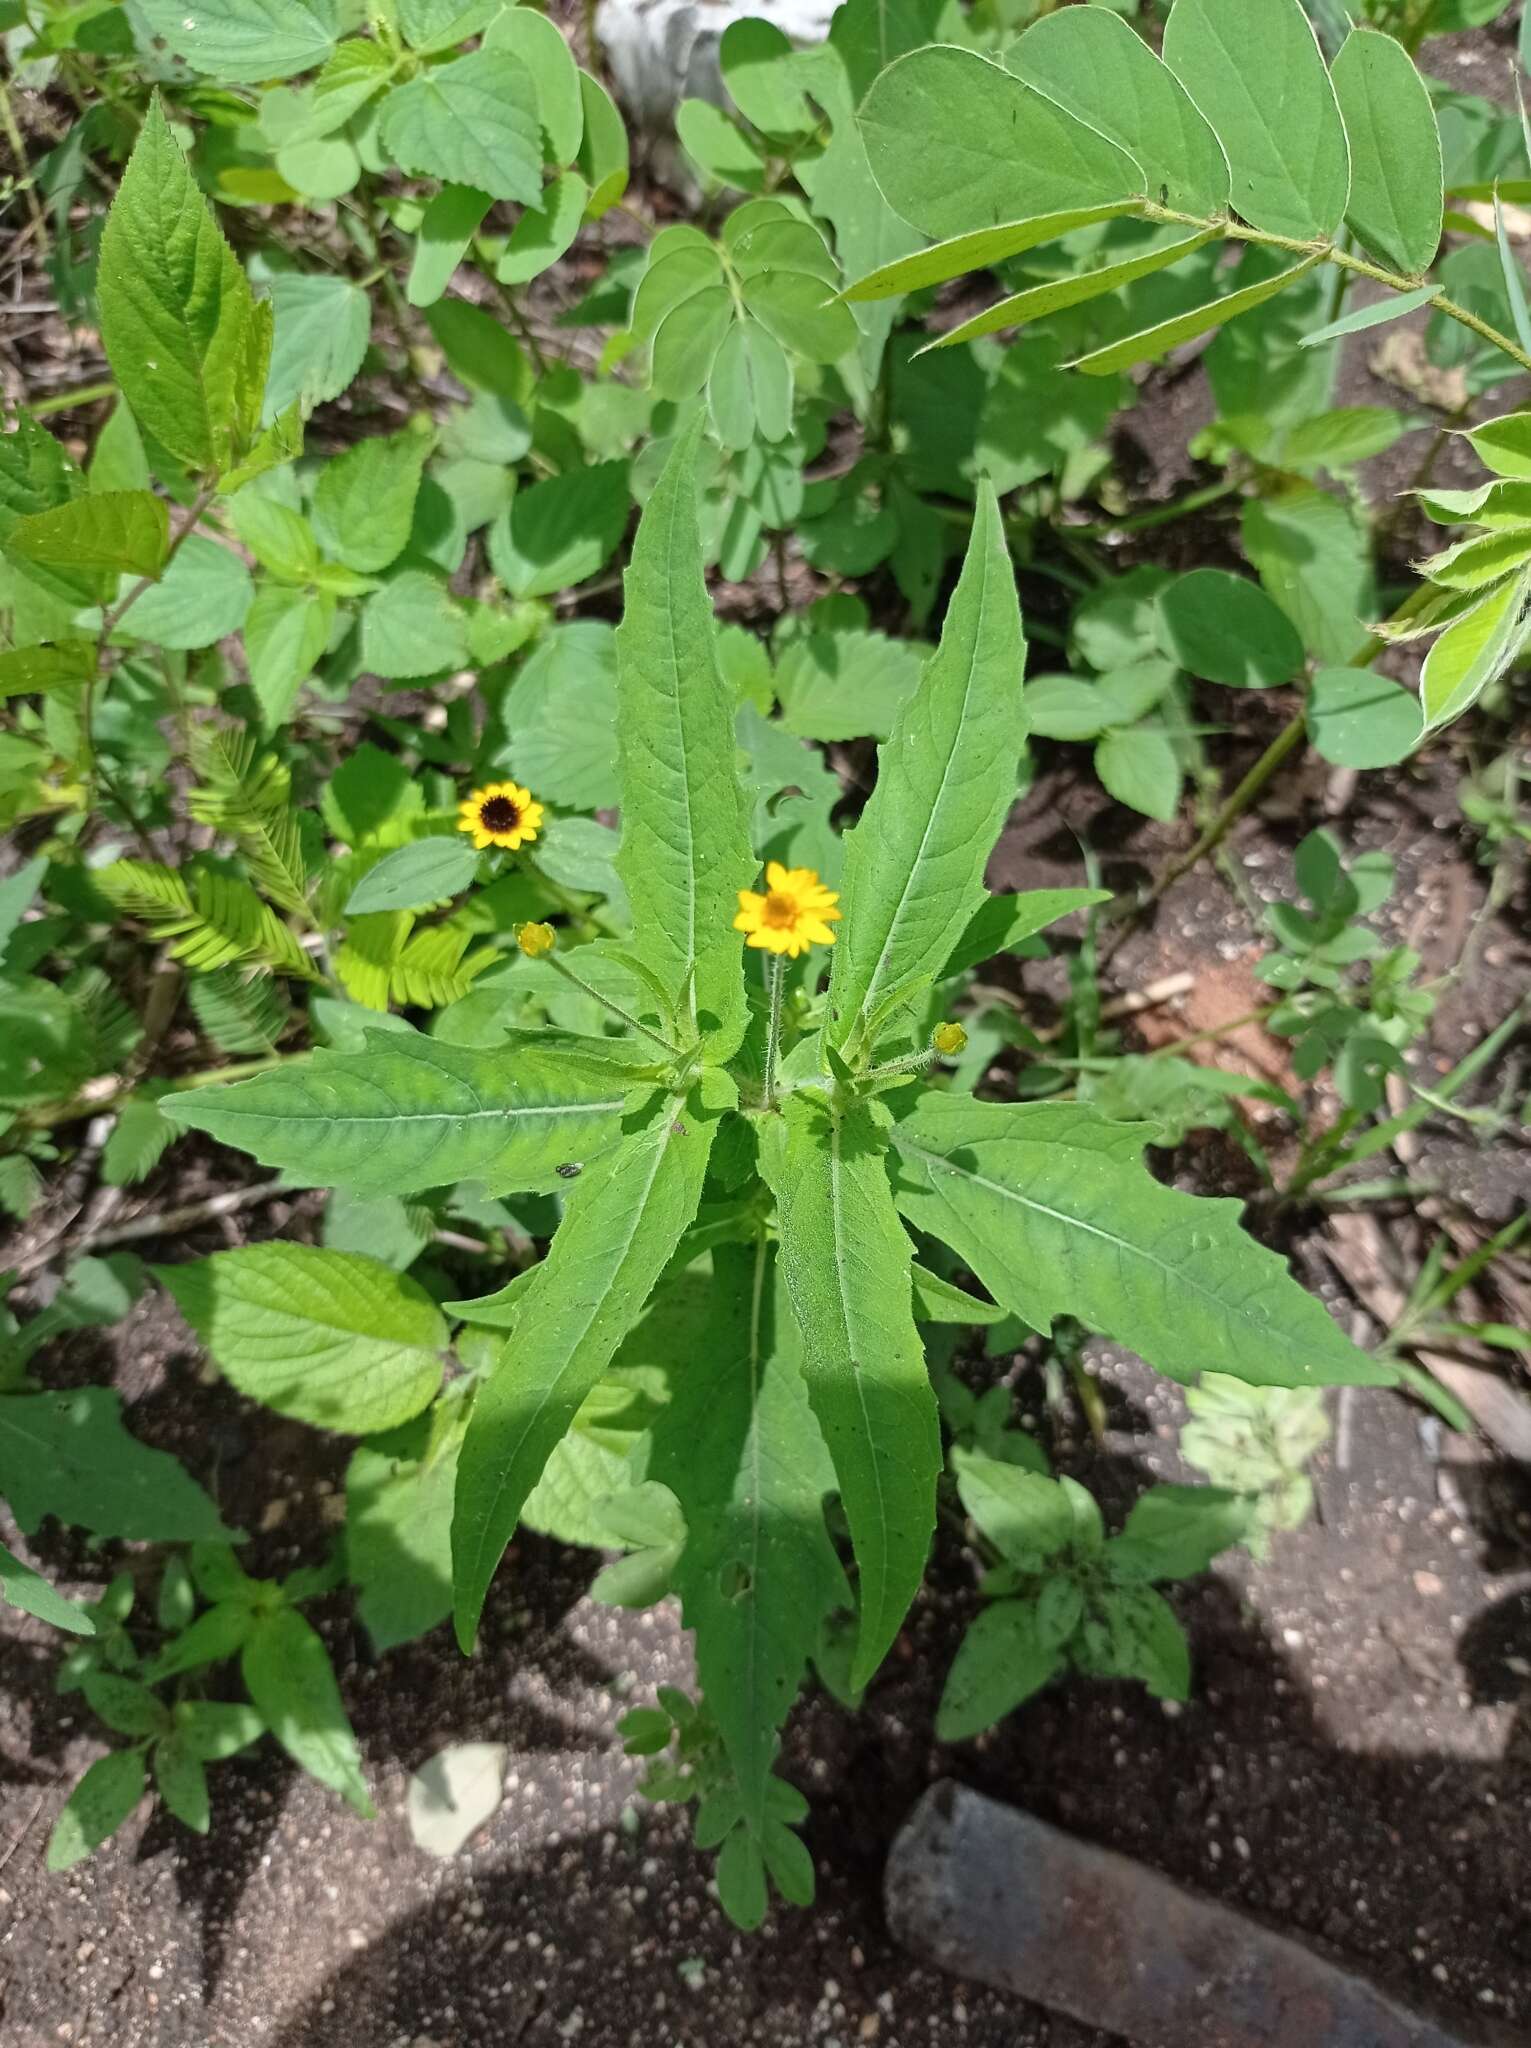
{"points": [[413, 1112], [1255, 70], [1052, 1208], [945, 781], [326, 1337], [414, 877], [956, 142], [1396, 181], [1088, 61], [1225, 629], [471, 122], [1359, 719], [244, 42]]}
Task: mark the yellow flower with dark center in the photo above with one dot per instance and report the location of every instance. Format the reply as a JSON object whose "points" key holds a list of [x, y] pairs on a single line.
{"points": [[536, 939], [500, 814], [793, 914], [949, 1039]]}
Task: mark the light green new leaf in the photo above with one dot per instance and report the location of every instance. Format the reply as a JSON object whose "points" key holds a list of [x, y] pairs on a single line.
{"points": [[288, 1675], [738, 1447], [619, 1231], [244, 42], [846, 1261], [33, 1594], [1395, 151], [187, 343], [684, 854], [326, 1337], [97, 1807], [957, 143], [1151, 342], [1255, 70], [1088, 61], [1052, 1208], [413, 1112], [124, 530], [1504, 444], [1474, 652], [203, 596], [364, 501], [1040, 299], [285, 633], [979, 250], [68, 1454], [1140, 768], [945, 781], [471, 122]]}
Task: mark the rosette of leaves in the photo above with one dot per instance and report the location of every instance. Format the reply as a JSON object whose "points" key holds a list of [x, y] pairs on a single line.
{"points": [[799, 1194], [727, 316], [1084, 122]]}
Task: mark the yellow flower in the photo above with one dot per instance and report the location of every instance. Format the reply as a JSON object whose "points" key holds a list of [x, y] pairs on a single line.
{"points": [[536, 939], [500, 814], [949, 1039], [794, 913]]}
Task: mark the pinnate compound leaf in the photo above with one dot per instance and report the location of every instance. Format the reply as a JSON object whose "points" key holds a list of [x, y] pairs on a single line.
{"points": [[946, 778], [739, 1448], [1053, 1210], [21, 1587], [684, 855], [1395, 151], [471, 122], [288, 1675], [188, 345], [1254, 69], [330, 1338], [1379, 315], [846, 1261], [954, 140], [620, 1229], [97, 1807], [68, 1454], [1088, 61], [246, 41], [412, 1112]]}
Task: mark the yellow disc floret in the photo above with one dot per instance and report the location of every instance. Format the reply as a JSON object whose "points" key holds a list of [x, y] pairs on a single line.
{"points": [[500, 814], [949, 1039], [536, 939], [794, 912]]}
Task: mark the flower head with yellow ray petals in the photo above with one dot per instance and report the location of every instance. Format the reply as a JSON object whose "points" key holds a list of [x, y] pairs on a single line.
{"points": [[500, 814], [794, 912]]}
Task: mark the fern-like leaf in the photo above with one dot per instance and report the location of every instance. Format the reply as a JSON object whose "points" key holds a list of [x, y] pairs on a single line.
{"points": [[247, 795], [238, 1014], [210, 919], [138, 1139]]}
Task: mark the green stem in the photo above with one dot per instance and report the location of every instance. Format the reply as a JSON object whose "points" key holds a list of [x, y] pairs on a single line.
{"points": [[577, 981], [1161, 515], [67, 401], [776, 977]]}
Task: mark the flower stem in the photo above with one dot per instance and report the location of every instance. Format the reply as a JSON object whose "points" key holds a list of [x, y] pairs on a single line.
{"points": [[606, 1003], [776, 977]]}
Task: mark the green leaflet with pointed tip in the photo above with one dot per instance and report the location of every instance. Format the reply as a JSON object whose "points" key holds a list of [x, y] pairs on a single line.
{"points": [[738, 1446], [1363, 317], [957, 143], [1255, 70], [978, 250], [1474, 651], [1088, 61], [684, 854], [33, 1594], [619, 1231], [1150, 342], [288, 1674], [846, 1260], [1053, 1209], [1041, 299], [1396, 181], [945, 780], [413, 1112], [97, 1807], [187, 343]]}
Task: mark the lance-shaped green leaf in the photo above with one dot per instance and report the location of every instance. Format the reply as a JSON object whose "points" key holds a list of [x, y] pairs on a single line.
{"points": [[1255, 70], [1151, 342], [1395, 151], [739, 1448], [411, 1112], [97, 1807], [328, 1337], [979, 250], [1053, 1209], [1041, 299], [33, 1594], [1379, 315], [945, 780], [1474, 652], [288, 1674], [187, 342], [124, 530], [619, 1231], [955, 141], [846, 1260], [684, 855], [1088, 61]]}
